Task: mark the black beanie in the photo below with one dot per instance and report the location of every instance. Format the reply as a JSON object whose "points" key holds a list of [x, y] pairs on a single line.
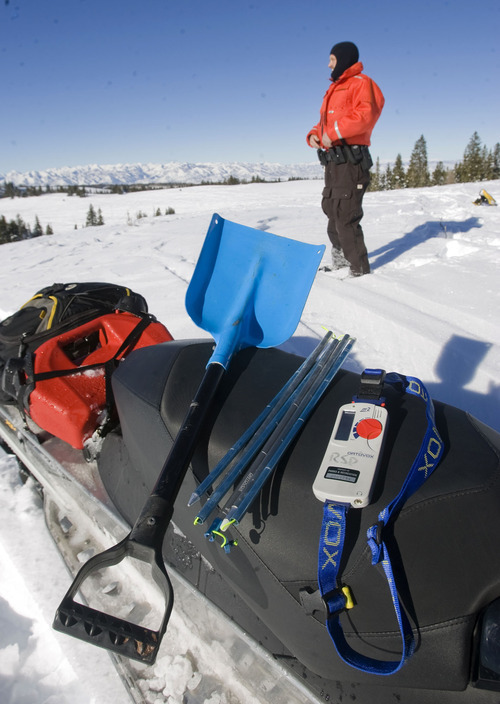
{"points": [[347, 55]]}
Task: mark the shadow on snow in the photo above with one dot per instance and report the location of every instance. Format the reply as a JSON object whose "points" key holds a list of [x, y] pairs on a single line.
{"points": [[434, 228]]}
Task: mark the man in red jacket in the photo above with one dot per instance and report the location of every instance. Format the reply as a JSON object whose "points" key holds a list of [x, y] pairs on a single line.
{"points": [[350, 109]]}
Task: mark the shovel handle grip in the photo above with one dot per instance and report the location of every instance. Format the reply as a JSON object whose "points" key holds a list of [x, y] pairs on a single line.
{"points": [[105, 631]]}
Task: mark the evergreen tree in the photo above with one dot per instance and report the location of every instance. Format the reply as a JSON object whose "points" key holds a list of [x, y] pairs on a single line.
{"points": [[37, 230], [388, 179], [3, 230], [375, 178], [398, 173], [417, 175], [472, 167], [382, 186], [496, 161], [14, 230], [20, 229], [439, 175], [91, 220], [49, 230], [100, 219], [487, 163], [10, 190]]}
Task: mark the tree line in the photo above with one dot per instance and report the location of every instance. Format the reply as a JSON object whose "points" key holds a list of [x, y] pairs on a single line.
{"points": [[478, 164], [10, 190], [17, 229]]}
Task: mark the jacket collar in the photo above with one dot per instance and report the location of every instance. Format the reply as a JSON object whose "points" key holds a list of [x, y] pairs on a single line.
{"points": [[353, 70]]}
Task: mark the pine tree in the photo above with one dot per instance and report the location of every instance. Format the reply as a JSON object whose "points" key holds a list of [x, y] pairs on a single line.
{"points": [[21, 230], [100, 219], [3, 230], [91, 220], [472, 167], [487, 163], [417, 175], [495, 158], [49, 230], [375, 178], [388, 178], [398, 173], [37, 230], [10, 190], [439, 175]]}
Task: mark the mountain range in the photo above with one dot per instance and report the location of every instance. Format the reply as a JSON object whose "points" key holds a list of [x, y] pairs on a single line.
{"points": [[172, 172]]}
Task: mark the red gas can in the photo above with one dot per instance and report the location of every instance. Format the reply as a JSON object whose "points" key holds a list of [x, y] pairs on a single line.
{"points": [[69, 406]]}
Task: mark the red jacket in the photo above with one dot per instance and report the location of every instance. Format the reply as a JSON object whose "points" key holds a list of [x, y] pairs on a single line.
{"points": [[350, 109]]}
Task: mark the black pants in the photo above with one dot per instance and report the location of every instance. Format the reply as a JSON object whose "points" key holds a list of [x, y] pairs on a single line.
{"points": [[345, 186]]}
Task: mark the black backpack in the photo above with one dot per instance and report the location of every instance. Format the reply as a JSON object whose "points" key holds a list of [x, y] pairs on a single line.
{"points": [[52, 311]]}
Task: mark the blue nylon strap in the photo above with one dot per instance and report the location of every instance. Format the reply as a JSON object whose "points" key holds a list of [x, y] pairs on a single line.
{"points": [[426, 461], [333, 535]]}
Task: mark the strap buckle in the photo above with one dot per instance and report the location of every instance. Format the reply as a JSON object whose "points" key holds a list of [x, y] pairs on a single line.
{"points": [[374, 540], [331, 603], [371, 385], [337, 600]]}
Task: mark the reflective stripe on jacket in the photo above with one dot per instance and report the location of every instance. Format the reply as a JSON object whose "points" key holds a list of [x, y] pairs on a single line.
{"points": [[350, 109]]}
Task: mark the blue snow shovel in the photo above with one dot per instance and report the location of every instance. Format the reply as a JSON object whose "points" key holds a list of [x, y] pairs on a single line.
{"points": [[248, 289]]}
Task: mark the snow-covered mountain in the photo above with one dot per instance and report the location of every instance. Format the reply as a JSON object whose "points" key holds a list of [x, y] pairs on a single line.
{"points": [[172, 172]]}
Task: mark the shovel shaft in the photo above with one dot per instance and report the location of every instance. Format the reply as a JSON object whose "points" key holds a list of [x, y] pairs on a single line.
{"points": [[149, 529]]}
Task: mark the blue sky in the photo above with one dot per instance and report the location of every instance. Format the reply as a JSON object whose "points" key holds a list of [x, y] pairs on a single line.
{"points": [[125, 81]]}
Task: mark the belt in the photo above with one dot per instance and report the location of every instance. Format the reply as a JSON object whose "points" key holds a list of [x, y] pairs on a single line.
{"points": [[347, 153]]}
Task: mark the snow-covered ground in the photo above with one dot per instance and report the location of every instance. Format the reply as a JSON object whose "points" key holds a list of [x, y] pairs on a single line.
{"points": [[37, 667], [430, 308]]}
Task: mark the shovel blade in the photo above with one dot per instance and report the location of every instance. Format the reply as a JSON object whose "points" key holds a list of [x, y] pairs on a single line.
{"points": [[249, 287]]}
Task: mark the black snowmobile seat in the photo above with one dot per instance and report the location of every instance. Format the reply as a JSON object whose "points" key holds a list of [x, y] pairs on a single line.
{"points": [[444, 541]]}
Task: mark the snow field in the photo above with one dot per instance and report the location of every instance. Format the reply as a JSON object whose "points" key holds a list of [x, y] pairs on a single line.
{"points": [[429, 309]]}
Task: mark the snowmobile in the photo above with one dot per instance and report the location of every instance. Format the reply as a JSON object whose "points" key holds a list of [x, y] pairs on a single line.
{"points": [[484, 198], [392, 496]]}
